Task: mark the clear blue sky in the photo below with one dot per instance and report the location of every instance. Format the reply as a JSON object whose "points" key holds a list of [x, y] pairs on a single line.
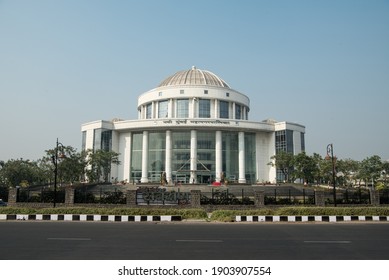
{"points": [[324, 64]]}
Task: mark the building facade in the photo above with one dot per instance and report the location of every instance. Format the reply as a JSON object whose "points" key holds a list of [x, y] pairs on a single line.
{"points": [[194, 128]]}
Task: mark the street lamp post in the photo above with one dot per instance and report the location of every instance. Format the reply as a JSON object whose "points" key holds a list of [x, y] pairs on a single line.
{"points": [[330, 154], [55, 162]]}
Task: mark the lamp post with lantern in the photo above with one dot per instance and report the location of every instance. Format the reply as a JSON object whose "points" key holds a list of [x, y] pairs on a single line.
{"points": [[55, 158], [330, 155]]}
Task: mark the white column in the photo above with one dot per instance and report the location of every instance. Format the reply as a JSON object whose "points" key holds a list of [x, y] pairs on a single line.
{"points": [[125, 157], [242, 168], [233, 110], [217, 115], [170, 109], [193, 156], [193, 114], [218, 155], [168, 160], [145, 155]]}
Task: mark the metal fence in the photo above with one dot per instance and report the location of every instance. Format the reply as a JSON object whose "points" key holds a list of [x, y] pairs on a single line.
{"points": [[4, 193], [227, 197], [289, 196], [348, 196], [100, 195], [40, 196], [158, 196], [384, 196]]}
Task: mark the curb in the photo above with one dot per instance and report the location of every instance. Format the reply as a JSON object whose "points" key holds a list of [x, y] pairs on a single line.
{"points": [[311, 218], [84, 217]]}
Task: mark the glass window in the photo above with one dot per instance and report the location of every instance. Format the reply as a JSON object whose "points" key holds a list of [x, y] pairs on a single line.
{"points": [[182, 108], [205, 91], [230, 154], [149, 110], [182, 91], [83, 145], [238, 112], [136, 156], [156, 155], [302, 141], [224, 109], [102, 139], [250, 157], [204, 108], [163, 109]]}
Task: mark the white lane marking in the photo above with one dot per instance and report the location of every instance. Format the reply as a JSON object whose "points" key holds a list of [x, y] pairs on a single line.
{"points": [[328, 242], [199, 241], [69, 238]]}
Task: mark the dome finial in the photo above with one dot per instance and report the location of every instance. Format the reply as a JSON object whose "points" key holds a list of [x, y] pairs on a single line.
{"points": [[193, 67]]}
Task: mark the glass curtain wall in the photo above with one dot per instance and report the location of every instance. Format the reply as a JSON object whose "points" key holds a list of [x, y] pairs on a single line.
{"points": [[163, 109], [136, 157], [156, 155], [182, 108], [250, 157], [230, 155], [181, 156], [284, 142], [102, 139], [205, 156], [224, 109], [204, 108]]}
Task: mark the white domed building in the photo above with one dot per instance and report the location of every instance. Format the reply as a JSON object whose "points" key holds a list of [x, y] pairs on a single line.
{"points": [[194, 128]]}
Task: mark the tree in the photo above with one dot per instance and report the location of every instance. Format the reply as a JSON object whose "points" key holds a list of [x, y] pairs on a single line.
{"points": [[371, 168], [284, 162], [20, 173], [305, 167], [100, 163], [71, 166]]}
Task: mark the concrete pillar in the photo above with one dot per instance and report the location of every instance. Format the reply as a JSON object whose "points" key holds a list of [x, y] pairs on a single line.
{"points": [[12, 196], [69, 196], [145, 155], [195, 196], [193, 156], [170, 109], [259, 198], [218, 156], [217, 113], [319, 198], [242, 167], [168, 160], [374, 197], [131, 198]]}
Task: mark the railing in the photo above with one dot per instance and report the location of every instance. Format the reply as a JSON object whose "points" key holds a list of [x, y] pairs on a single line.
{"points": [[158, 196], [226, 197], [40, 196], [99, 196], [349, 196], [290, 196]]}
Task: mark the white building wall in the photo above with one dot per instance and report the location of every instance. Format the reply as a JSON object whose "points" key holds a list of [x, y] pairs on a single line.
{"points": [[124, 156], [265, 150], [297, 142]]}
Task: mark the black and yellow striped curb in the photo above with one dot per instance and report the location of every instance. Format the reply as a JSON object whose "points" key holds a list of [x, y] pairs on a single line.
{"points": [[86, 217], [311, 218]]}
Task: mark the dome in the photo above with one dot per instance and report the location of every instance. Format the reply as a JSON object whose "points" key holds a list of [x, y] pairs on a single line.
{"points": [[194, 76]]}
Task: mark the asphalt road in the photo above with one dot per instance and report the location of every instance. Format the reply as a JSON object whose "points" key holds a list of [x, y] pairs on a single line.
{"points": [[30, 240]]}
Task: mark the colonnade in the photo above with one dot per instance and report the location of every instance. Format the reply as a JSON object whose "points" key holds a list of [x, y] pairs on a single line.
{"points": [[193, 156]]}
